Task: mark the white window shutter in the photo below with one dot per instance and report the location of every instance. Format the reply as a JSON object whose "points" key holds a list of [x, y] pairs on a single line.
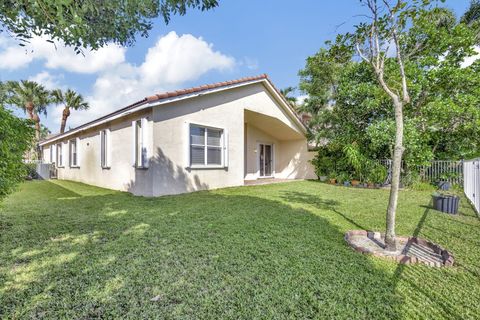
{"points": [[134, 143], [186, 134], [225, 148], [145, 143], [77, 143], [64, 154], [108, 153], [101, 147]]}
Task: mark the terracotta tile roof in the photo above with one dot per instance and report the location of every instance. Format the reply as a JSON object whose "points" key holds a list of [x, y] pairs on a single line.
{"points": [[182, 92], [179, 93]]}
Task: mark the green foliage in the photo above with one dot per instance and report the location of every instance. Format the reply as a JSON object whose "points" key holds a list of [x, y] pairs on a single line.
{"points": [[16, 136], [31, 170], [21, 93], [442, 121], [323, 163], [31, 97], [377, 173], [422, 186], [355, 159], [472, 17], [71, 100], [90, 23]]}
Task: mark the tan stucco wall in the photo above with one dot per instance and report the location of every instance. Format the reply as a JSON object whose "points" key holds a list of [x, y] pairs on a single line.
{"points": [[291, 158], [168, 172], [254, 137], [122, 175]]}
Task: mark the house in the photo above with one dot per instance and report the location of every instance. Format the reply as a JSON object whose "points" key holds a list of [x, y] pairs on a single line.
{"points": [[206, 137]]}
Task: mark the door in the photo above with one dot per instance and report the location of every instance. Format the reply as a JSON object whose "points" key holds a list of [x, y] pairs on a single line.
{"points": [[266, 160]]}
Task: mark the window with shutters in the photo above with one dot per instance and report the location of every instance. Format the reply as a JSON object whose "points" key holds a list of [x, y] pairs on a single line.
{"points": [[206, 146]]}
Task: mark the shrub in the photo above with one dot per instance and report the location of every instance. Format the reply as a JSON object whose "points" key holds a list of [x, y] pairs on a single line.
{"points": [[16, 136], [377, 173], [323, 163]]}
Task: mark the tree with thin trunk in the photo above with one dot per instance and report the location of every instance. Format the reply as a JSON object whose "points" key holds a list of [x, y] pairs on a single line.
{"points": [[374, 42], [71, 101], [31, 97]]}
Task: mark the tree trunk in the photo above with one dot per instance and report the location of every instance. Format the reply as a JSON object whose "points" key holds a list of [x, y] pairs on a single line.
{"points": [[390, 239], [65, 115], [36, 119], [29, 107]]}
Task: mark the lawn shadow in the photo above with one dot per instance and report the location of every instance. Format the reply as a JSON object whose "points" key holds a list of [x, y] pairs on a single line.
{"points": [[406, 275], [320, 203], [206, 255]]}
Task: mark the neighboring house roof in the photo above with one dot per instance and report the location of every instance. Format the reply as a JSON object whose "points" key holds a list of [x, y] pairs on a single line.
{"points": [[172, 96], [51, 135]]}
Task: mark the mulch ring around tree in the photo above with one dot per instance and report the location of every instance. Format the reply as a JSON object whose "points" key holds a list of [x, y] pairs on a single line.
{"points": [[410, 250]]}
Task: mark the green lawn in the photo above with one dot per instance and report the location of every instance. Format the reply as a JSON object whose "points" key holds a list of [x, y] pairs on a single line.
{"points": [[69, 250]]}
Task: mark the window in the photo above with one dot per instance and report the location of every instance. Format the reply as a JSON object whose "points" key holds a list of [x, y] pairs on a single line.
{"points": [[105, 148], [206, 146], [141, 142], [52, 159], [59, 155], [73, 153]]}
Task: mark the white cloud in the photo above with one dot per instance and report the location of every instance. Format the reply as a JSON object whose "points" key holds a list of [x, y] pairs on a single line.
{"points": [[250, 63], [48, 80], [13, 56], [468, 61], [301, 99], [58, 56], [175, 59], [171, 62]]}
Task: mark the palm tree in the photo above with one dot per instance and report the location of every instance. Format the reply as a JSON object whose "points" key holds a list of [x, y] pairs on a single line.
{"points": [[471, 17], [286, 93], [71, 100], [30, 96]]}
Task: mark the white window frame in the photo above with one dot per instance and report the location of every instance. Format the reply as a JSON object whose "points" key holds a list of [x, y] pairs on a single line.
{"points": [[60, 160], [105, 149], [52, 158], [70, 151], [223, 147]]}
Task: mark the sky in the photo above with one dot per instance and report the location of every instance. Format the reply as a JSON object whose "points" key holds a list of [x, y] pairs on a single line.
{"points": [[234, 40]]}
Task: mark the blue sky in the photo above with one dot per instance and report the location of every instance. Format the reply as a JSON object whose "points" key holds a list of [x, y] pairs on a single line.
{"points": [[237, 39]]}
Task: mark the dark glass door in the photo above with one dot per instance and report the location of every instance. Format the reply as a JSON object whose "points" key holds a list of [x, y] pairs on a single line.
{"points": [[266, 160]]}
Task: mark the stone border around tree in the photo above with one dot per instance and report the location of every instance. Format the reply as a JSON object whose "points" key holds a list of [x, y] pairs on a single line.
{"points": [[447, 257]]}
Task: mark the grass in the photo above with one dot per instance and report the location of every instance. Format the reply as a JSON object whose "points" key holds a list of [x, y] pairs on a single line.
{"points": [[69, 250]]}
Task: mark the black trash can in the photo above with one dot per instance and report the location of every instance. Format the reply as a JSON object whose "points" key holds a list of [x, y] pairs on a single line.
{"points": [[444, 185], [446, 203]]}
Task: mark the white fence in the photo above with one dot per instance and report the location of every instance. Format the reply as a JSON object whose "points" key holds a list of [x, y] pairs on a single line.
{"points": [[471, 181], [43, 170], [436, 170]]}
